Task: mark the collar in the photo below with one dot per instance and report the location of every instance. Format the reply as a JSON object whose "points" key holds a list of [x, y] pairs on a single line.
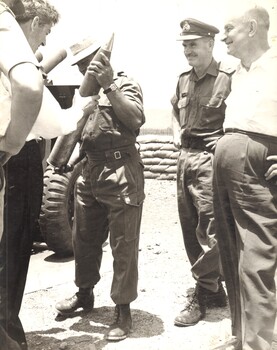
{"points": [[211, 70], [6, 7], [261, 61]]}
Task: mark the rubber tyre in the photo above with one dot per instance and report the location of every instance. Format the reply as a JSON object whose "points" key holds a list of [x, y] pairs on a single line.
{"points": [[56, 217]]}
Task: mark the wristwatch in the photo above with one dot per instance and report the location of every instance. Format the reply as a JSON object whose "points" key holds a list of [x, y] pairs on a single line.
{"points": [[112, 87]]}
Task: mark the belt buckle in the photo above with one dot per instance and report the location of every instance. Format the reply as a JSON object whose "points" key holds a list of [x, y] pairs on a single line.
{"points": [[117, 155]]}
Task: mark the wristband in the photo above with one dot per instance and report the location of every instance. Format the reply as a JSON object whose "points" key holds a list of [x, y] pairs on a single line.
{"points": [[112, 87]]}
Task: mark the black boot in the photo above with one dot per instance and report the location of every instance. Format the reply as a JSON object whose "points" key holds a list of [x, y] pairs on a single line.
{"points": [[122, 326], [82, 299], [216, 299]]}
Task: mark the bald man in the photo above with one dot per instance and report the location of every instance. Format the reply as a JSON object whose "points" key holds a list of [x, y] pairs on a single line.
{"points": [[245, 183]]}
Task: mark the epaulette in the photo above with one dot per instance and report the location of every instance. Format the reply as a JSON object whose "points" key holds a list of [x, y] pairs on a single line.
{"points": [[185, 72], [227, 67]]}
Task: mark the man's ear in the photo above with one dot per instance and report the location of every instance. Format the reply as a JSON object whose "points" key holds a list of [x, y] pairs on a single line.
{"points": [[252, 27], [35, 23]]}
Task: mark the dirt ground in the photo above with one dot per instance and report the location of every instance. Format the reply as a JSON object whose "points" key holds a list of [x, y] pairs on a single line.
{"points": [[164, 278]]}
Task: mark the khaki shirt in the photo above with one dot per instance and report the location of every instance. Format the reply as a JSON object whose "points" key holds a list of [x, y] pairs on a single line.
{"points": [[200, 103], [104, 131]]}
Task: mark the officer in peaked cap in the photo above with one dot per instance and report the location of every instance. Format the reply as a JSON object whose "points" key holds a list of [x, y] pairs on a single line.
{"points": [[197, 118], [194, 29]]}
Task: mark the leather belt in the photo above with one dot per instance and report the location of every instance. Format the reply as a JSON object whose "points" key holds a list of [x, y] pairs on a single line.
{"points": [[112, 155], [195, 142]]}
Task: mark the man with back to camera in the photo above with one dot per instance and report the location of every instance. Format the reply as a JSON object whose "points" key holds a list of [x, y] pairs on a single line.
{"points": [[20, 67], [26, 85], [23, 174], [110, 192], [245, 188], [198, 115]]}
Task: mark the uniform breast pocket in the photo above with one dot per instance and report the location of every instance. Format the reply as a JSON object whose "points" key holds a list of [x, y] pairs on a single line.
{"points": [[183, 102], [105, 120], [212, 112]]}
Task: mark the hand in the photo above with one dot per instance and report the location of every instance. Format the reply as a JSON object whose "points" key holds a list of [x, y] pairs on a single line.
{"points": [[65, 168], [92, 105], [212, 141], [102, 71], [87, 104], [177, 141], [272, 170]]}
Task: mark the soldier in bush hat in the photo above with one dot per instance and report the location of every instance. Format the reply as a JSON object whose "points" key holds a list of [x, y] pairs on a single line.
{"points": [[110, 192], [198, 115]]}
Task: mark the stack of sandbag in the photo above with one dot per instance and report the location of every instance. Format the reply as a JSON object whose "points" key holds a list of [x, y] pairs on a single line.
{"points": [[159, 156]]}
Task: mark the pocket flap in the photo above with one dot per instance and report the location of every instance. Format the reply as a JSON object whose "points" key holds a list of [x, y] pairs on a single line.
{"points": [[183, 102], [211, 102]]}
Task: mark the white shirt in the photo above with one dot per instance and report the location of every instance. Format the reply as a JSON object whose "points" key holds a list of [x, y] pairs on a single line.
{"points": [[252, 103], [52, 120]]}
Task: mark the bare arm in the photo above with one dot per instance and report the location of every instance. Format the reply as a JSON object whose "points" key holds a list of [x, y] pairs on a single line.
{"points": [[26, 88]]}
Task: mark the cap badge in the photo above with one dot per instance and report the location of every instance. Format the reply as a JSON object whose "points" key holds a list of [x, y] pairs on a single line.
{"points": [[186, 26]]}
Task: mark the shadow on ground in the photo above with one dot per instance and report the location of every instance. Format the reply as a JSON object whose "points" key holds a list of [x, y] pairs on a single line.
{"points": [[95, 324]]}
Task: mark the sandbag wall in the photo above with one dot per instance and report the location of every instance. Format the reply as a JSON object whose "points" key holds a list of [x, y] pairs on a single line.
{"points": [[159, 156]]}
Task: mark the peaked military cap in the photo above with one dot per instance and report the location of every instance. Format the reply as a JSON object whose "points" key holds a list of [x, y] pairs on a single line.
{"points": [[194, 29]]}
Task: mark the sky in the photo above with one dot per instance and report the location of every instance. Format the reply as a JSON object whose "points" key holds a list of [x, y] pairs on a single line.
{"points": [[145, 45]]}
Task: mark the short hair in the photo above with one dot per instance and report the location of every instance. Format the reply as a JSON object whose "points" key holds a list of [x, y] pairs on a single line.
{"points": [[260, 14], [41, 8]]}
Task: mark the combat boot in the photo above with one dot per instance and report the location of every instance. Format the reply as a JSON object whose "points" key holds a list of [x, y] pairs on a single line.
{"points": [[122, 325], [82, 299], [216, 299], [194, 311]]}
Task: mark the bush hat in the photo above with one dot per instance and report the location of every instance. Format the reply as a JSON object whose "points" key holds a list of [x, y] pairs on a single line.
{"points": [[83, 48]]}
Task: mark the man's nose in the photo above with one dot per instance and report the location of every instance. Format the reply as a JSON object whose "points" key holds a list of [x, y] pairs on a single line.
{"points": [[223, 37]]}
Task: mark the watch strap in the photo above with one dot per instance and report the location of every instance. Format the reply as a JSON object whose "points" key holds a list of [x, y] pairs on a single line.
{"points": [[112, 87]]}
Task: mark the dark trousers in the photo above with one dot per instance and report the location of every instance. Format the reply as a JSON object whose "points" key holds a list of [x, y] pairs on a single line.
{"points": [[246, 221], [109, 197], [22, 205], [195, 206]]}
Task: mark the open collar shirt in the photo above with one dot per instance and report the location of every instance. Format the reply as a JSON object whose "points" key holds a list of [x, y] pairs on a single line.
{"points": [[252, 103], [200, 103]]}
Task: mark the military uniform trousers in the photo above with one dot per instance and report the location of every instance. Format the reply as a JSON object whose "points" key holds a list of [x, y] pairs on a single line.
{"points": [[23, 194], [195, 206], [109, 198], [246, 219]]}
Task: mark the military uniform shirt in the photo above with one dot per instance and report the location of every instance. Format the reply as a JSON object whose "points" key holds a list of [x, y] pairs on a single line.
{"points": [[104, 131], [200, 103]]}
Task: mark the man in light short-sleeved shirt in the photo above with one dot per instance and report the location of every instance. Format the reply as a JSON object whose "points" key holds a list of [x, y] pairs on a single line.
{"points": [[26, 85], [18, 64]]}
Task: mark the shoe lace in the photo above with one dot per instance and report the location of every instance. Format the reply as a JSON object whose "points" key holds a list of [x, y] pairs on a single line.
{"points": [[192, 300]]}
